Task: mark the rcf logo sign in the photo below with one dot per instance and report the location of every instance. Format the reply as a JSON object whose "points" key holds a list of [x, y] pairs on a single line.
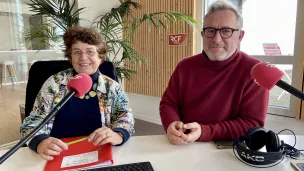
{"points": [[177, 39]]}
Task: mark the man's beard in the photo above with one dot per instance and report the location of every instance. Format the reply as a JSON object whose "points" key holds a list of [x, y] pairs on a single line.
{"points": [[222, 56]]}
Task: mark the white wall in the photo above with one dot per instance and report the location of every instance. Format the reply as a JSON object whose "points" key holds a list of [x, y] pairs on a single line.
{"points": [[94, 8]]}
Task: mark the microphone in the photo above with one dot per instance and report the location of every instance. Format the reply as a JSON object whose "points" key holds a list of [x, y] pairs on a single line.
{"points": [[79, 85], [267, 75]]}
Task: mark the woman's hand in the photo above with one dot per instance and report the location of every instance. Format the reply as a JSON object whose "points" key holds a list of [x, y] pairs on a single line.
{"points": [[105, 135], [51, 147]]}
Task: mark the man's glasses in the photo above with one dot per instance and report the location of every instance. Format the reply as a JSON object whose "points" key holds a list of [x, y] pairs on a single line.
{"points": [[79, 53], [224, 32]]}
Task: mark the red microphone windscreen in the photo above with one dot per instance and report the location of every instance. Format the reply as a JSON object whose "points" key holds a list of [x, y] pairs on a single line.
{"points": [[81, 83], [266, 75]]}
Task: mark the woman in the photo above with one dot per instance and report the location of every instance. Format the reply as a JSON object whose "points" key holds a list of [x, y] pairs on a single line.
{"points": [[102, 114]]}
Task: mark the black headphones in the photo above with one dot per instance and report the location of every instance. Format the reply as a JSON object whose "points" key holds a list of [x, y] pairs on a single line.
{"points": [[256, 138]]}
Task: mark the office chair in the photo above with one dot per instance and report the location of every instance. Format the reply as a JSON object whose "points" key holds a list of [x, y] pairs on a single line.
{"points": [[42, 70]]}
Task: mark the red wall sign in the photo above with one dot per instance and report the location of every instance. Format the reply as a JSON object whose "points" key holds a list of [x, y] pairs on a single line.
{"points": [[177, 39]]}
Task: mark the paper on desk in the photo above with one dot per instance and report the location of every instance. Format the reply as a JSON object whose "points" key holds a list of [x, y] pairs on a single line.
{"points": [[79, 159]]}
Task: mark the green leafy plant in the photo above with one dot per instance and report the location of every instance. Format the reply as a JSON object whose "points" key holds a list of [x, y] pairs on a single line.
{"points": [[118, 27], [58, 14]]}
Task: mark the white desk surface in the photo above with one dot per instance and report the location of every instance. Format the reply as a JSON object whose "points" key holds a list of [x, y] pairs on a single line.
{"points": [[163, 156]]}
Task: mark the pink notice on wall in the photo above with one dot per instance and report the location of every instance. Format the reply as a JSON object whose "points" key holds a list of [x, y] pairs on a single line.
{"points": [[272, 49]]}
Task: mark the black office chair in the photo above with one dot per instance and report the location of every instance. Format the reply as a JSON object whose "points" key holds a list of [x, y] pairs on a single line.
{"points": [[40, 71]]}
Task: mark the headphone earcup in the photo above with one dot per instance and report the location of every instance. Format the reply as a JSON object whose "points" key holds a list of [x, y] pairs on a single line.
{"points": [[273, 142], [255, 138]]}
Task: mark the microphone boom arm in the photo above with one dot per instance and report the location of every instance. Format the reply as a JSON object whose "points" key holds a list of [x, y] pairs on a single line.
{"points": [[285, 86]]}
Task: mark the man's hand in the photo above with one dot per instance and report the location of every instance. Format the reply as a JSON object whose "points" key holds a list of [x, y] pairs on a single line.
{"points": [[174, 133], [194, 134], [51, 147], [105, 135]]}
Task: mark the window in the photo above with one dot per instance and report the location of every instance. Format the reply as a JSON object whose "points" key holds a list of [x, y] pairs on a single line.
{"points": [[269, 22]]}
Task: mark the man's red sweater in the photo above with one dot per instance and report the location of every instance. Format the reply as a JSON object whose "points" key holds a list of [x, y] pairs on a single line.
{"points": [[220, 96]]}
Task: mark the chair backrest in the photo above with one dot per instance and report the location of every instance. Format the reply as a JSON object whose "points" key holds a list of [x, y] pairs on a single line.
{"points": [[40, 71]]}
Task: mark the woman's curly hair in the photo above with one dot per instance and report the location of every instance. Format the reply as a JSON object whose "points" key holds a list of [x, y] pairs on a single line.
{"points": [[85, 35]]}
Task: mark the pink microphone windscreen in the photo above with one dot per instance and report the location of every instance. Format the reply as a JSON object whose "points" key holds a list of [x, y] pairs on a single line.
{"points": [[81, 83], [266, 75]]}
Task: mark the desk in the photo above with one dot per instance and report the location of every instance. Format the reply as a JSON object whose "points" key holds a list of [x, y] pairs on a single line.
{"points": [[162, 155]]}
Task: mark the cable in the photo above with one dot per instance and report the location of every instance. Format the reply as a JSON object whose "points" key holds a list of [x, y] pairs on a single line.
{"points": [[292, 133], [289, 150]]}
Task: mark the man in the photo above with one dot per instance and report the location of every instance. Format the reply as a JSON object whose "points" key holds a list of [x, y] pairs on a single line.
{"points": [[211, 96]]}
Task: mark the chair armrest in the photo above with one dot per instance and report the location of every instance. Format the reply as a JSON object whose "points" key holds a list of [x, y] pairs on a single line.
{"points": [[22, 112]]}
